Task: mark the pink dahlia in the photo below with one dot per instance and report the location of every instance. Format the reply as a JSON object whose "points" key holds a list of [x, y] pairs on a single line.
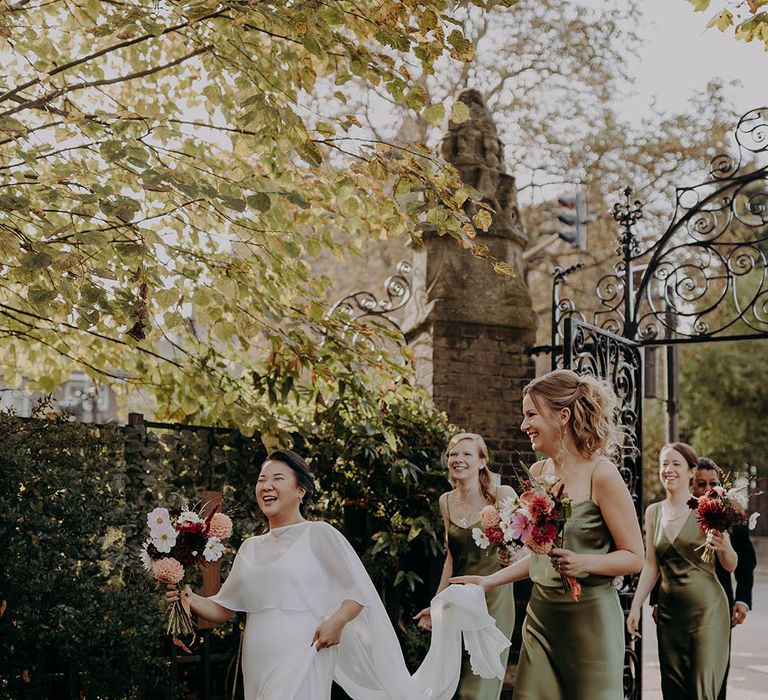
{"points": [[168, 570], [220, 526], [489, 517]]}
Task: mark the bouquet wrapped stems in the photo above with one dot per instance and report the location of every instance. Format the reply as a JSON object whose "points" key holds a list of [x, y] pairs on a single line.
{"points": [[180, 623], [708, 555]]}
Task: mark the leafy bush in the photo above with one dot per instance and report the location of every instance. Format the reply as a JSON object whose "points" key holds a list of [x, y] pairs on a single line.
{"points": [[79, 615]]}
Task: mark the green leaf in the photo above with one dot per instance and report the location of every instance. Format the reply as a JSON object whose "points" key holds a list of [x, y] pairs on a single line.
{"points": [[260, 201], [434, 114], [723, 21], [700, 5], [459, 112]]}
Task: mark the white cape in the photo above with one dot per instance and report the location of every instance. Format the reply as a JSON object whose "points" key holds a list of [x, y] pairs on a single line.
{"points": [[311, 567]]}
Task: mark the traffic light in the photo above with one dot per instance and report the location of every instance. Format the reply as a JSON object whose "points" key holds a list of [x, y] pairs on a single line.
{"points": [[574, 215]]}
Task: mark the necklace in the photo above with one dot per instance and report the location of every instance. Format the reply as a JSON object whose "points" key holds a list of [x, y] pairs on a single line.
{"points": [[461, 507], [275, 537]]}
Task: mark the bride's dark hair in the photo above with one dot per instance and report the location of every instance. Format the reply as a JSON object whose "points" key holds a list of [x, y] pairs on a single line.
{"points": [[304, 476]]}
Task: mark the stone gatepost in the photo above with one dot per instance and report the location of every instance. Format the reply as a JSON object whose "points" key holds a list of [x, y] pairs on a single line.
{"points": [[468, 327]]}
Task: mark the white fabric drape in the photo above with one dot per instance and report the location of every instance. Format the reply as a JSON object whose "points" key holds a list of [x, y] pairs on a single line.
{"points": [[291, 579]]}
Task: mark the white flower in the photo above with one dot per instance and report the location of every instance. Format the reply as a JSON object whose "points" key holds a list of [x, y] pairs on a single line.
{"points": [[164, 540], [753, 520], [213, 549], [739, 496], [480, 538], [159, 519], [548, 479], [146, 560], [507, 507], [187, 516]]}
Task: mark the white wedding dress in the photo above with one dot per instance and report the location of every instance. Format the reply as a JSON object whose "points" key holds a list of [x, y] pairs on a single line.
{"points": [[290, 579]]}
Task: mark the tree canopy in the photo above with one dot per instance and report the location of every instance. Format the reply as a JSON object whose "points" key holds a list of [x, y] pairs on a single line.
{"points": [[169, 170], [747, 18]]}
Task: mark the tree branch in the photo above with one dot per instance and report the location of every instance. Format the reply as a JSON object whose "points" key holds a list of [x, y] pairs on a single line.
{"points": [[42, 101], [109, 49]]}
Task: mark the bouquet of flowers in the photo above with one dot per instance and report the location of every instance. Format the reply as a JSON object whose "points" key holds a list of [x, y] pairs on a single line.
{"points": [[534, 520], [179, 539], [719, 509]]}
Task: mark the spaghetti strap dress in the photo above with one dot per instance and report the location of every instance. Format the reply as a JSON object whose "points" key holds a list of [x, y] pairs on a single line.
{"points": [[469, 559], [693, 623], [573, 650]]}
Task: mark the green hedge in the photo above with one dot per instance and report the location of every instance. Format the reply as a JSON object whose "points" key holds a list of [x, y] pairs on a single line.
{"points": [[82, 619]]}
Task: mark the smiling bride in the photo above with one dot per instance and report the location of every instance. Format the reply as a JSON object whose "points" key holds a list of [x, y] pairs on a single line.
{"points": [[314, 616]]}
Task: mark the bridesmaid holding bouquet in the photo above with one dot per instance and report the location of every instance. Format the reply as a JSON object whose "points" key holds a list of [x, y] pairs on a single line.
{"points": [[574, 649], [693, 619]]}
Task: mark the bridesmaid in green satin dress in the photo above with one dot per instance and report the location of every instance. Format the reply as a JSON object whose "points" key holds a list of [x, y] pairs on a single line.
{"points": [[473, 490], [693, 620], [574, 650]]}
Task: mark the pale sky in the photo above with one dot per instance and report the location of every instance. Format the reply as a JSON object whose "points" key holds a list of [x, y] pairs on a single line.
{"points": [[680, 55]]}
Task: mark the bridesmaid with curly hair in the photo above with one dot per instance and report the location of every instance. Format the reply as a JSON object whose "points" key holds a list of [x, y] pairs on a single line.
{"points": [[574, 650]]}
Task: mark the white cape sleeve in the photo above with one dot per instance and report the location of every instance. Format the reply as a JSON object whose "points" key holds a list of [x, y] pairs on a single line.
{"points": [[370, 664]]}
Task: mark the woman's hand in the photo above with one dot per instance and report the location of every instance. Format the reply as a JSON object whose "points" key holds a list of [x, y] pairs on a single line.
{"points": [[172, 595], [567, 563], [633, 622], [424, 620], [328, 634], [720, 541], [481, 581], [505, 556]]}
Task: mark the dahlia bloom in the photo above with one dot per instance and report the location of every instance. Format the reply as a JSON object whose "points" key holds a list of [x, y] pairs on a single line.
{"points": [[489, 517], [541, 539], [220, 526], [187, 516], [541, 505], [168, 570]]}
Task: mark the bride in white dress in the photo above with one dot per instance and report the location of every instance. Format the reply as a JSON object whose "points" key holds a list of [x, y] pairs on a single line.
{"points": [[314, 616]]}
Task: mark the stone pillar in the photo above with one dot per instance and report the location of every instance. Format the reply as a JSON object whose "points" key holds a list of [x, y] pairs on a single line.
{"points": [[467, 326]]}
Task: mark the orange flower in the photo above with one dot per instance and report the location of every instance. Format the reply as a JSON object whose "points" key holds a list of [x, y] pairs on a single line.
{"points": [[489, 517], [168, 570], [220, 526]]}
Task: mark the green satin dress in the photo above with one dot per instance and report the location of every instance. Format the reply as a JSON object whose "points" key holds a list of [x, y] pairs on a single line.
{"points": [[573, 650], [468, 560], [693, 623]]}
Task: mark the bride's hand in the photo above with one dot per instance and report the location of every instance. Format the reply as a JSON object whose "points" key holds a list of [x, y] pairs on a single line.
{"points": [[481, 581], [172, 595], [424, 620], [328, 634]]}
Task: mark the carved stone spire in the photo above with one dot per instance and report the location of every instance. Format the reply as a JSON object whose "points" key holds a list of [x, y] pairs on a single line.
{"points": [[473, 147], [469, 328]]}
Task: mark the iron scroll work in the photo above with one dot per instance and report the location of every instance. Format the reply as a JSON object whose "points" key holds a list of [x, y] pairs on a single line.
{"points": [[705, 279], [588, 349]]}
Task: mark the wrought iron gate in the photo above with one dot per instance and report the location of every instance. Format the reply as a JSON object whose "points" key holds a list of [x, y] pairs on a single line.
{"points": [[704, 279], [588, 349]]}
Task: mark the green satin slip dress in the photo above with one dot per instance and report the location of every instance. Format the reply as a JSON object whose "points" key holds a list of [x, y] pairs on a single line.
{"points": [[468, 560], [693, 623], [573, 650]]}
